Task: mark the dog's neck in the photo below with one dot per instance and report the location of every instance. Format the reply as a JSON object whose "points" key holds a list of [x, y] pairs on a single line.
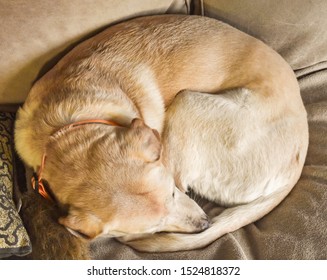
{"points": [[142, 99]]}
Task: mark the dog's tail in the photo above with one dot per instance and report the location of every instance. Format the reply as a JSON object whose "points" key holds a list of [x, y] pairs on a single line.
{"points": [[229, 220]]}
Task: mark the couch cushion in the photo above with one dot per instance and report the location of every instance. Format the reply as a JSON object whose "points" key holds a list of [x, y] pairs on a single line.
{"points": [[35, 34], [296, 29], [13, 236]]}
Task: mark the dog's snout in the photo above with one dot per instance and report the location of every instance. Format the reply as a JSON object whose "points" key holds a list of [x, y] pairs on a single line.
{"points": [[203, 224]]}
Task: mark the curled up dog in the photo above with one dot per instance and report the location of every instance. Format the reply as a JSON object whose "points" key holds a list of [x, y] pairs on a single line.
{"points": [[96, 131]]}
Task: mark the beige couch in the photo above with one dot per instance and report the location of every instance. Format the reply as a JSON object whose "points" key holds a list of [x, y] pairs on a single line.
{"points": [[35, 34]]}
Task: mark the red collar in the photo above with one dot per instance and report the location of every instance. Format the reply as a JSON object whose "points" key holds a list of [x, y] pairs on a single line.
{"points": [[37, 183]]}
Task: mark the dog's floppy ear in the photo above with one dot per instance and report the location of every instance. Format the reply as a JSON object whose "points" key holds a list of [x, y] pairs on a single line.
{"points": [[82, 224], [149, 145]]}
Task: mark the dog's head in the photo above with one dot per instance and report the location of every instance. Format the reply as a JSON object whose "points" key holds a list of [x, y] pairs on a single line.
{"points": [[112, 182]]}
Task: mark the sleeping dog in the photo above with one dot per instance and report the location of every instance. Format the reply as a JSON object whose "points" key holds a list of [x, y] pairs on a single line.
{"points": [[93, 130]]}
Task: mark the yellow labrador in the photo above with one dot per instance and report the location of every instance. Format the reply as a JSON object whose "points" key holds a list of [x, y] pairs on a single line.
{"points": [[91, 128]]}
